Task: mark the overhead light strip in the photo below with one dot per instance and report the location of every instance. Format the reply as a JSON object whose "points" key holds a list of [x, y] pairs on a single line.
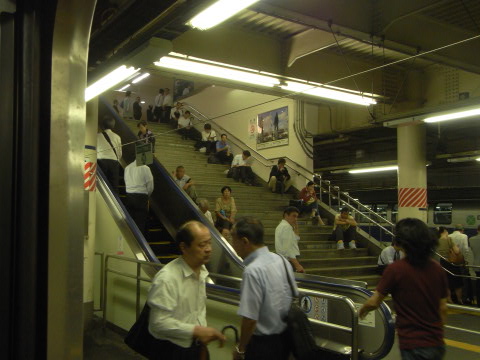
{"points": [[108, 81], [218, 13], [373, 169], [140, 78], [453, 116], [230, 72]]}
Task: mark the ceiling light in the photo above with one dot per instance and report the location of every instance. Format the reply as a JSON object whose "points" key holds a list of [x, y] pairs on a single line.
{"points": [[125, 87], [463, 159], [142, 102], [478, 159], [108, 81], [218, 13], [323, 92], [373, 169], [453, 116], [140, 78], [223, 72]]}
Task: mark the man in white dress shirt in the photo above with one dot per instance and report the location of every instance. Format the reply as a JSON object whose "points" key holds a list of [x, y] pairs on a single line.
{"points": [[139, 187], [286, 238], [167, 105], [157, 110], [177, 299]]}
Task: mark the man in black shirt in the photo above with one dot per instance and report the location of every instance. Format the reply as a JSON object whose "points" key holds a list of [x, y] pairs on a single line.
{"points": [[279, 180]]}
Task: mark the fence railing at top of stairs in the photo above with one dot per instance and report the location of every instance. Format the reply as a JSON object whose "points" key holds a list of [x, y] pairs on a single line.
{"points": [[335, 197]]}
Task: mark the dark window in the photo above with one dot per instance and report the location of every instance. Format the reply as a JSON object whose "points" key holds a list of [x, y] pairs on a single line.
{"points": [[442, 214]]}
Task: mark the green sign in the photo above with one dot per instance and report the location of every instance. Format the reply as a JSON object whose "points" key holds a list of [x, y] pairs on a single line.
{"points": [[144, 154], [470, 220]]}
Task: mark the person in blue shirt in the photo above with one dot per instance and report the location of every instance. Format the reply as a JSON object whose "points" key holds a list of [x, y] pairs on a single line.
{"points": [[223, 150], [265, 295]]}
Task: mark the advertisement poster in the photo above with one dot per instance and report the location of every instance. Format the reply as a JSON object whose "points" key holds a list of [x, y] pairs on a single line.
{"points": [[272, 128]]}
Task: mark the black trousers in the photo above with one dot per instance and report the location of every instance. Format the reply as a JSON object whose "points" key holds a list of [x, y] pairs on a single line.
{"points": [[111, 169], [266, 347], [223, 157], [186, 133], [137, 206], [346, 235], [209, 145], [166, 350], [157, 113], [166, 114]]}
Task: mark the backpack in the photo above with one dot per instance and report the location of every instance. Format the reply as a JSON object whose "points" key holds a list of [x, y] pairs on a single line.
{"points": [[212, 159]]}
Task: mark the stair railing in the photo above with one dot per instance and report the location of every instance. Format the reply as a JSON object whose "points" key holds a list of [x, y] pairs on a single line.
{"points": [[333, 192]]}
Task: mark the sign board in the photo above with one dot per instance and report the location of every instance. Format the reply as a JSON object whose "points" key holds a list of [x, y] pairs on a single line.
{"points": [[315, 307], [144, 154], [369, 320]]}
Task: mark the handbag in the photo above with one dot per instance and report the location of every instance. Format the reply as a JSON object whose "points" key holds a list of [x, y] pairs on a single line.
{"points": [[455, 257], [299, 328], [139, 338]]}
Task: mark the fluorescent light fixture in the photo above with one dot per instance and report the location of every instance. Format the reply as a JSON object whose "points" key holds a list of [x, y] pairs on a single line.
{"points": [[222, 72], [142, 102], [453, 116], [373, 169], [478, 159], [218, 13], [140, 78], [115, 77], [323, 92], [125, 87], [463, 159]]}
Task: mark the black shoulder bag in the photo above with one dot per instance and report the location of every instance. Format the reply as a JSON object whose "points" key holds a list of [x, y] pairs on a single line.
{"points": [[299, 327], [139, 338]]}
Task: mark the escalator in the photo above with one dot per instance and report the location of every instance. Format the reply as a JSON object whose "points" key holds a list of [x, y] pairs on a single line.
{"points": [[171, 207]]}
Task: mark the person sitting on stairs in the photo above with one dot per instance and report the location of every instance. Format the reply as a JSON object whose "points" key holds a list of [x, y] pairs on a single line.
{"points": [[310, 202], [223, 153], [225, 208], [344, 229], [204, 206], [185, 182], [279, 177]]}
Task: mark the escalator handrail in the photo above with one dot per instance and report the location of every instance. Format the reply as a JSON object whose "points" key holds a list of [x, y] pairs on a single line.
{"points": [[105, 189]]}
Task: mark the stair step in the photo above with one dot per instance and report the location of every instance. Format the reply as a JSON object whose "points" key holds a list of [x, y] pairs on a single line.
{"points": [[160, 243]]}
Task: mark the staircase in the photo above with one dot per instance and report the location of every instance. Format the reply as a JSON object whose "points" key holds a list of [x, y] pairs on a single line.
{"points": [[318, 255]]}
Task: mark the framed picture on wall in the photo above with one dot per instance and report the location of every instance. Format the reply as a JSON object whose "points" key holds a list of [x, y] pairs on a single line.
{"points": [[182, 88], [272, 128]]}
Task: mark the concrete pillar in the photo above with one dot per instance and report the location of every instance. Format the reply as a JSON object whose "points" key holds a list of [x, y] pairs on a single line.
{"points": [[412, 172], [90, 209]]}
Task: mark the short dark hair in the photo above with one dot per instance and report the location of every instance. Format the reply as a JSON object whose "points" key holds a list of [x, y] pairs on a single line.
{"points": [[186, 232], [223, 225], [250, 228], [458, 227], [247, 153], [176, 114], [225, 188], [128, 93], [281, 161], [207, 126], [186, 111], [143, 122], [223, 135], [108, 123], [160, 91], [310, 183], [345, 210], [290, 209], [418, 241], [179, 167]]}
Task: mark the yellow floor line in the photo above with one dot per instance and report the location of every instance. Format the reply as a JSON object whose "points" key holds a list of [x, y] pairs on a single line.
{"points": [[462, 312], [462, 345]]}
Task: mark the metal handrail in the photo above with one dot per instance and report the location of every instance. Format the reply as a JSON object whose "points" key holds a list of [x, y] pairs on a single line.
{"points": [[243, 145], [102, 263], [353, 330], [466, 265]]}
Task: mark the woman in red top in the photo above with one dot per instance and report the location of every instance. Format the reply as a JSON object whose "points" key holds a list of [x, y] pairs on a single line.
{"points": [[419, 289], [310, 202]]}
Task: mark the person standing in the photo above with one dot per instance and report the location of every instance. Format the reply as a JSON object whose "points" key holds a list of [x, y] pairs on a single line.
{"points": [[344, 229], [279, 174], [137, 109], [145, 134], [265, 295], [167, 105], [150, 113], [127, 106], [115, 106], [475, 247], [185, 182], [460, 239], [177, 299], [109, 151], [287, 238], [455, 282], [157, 109], [419, 289], [139, 187]]}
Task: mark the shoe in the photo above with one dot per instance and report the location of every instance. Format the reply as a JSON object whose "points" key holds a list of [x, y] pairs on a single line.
{"points": [[340, 245], [352, 245]]}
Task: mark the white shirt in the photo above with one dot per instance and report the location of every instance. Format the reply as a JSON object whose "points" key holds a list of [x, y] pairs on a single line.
{"points": [[159, 100], [177, 301], [389, 255], [183, 122], [181, 182], [174, 110], [104, 150], [127, 106], [168, 100], [238, 160], [208, 215], [461, 240], [286, 241], [138, 179], [211, 136]]}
